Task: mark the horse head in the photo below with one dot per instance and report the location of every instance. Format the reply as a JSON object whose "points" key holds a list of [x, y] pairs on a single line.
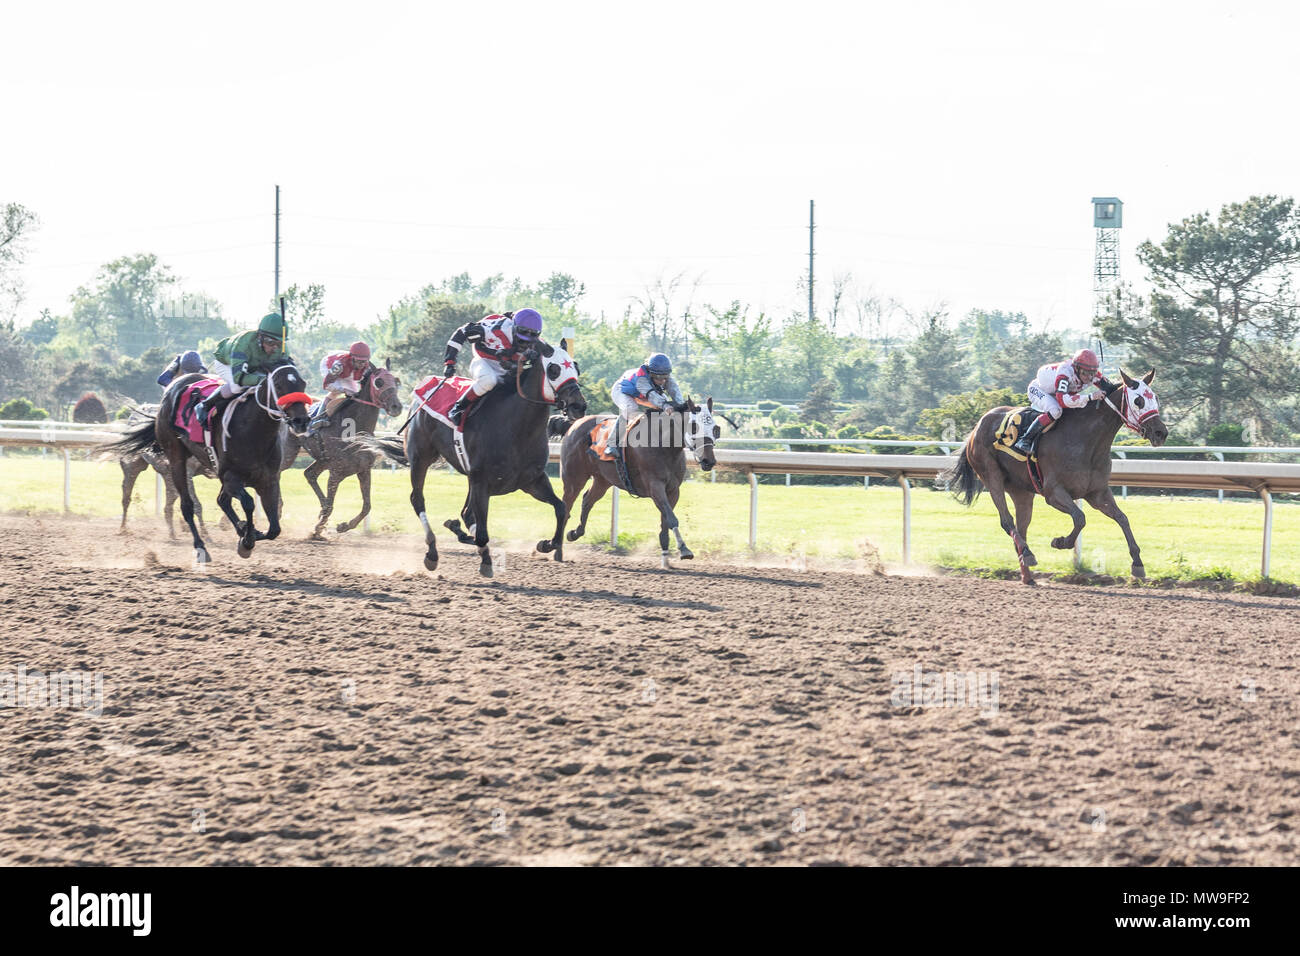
{"points": [[560, 379], [285, 397], [383, 386], [1140, 408], [701, 432]]}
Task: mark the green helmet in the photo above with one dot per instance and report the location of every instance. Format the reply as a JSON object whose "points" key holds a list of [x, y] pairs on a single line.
{"points": [[273, 324]]}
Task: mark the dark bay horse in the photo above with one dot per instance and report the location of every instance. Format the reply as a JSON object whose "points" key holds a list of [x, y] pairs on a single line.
{"points": [[655, 456], [334, 448], [505, 435], [1075, 460], [249, 459]]}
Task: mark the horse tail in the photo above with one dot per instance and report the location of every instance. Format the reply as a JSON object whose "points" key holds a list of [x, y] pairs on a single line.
{"points": [[961, 478], [557, 426], [394, 449], [134, 442]]}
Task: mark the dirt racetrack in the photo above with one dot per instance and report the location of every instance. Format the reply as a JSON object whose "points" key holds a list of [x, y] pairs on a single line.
{"points": [[334, 704]]}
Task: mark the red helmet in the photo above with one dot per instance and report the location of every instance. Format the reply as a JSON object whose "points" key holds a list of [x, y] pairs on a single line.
{"points": [[1084, 361], [360, 350]]}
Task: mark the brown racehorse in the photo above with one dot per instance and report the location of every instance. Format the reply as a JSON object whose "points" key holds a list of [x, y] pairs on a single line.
{"points": [[656, 468], [336, 452], [1075, 460]]}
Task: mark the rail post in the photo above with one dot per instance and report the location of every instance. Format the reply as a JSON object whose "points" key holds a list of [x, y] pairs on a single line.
{"points": [[1078, 542], [753, 511], [907, 518], [613, 518], [1123, 491], [1268, 530], [1219, 455], [157, 494], [67, 481]]}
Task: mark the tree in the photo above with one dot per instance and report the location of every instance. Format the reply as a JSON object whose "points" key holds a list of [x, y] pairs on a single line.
{"points": [[664, 321], [17, 223], [938, 367], [43, 330], [819, 406], [20, 364], [562, 289], [735, 357], [807, 351], [1221, 309], [1018, 360], [137, 378], [419, 353], [122, 307], [304, 307], [957, 414]]}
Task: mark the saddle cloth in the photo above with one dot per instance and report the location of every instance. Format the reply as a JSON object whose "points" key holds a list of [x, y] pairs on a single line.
{"points": [[600, 438], [1013, 422], [438, 401], [184, 417]]}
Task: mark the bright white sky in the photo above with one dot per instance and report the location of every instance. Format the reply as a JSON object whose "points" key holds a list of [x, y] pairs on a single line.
{"points": [[952, 148]]}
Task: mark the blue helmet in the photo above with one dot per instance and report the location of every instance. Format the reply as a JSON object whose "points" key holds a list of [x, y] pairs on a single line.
{"points": [[191, 362], [659, 364]]}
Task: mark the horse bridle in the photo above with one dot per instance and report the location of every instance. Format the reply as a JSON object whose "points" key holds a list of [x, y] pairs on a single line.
{"points": [[367, 381], [534, 355], [1125, 406], [276, 410]]}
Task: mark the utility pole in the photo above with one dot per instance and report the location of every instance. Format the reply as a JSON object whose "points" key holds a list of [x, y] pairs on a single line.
{"points": [[277, 243], [810, 260]]}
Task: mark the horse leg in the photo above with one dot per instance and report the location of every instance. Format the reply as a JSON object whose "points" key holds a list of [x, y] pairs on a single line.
{"points": [[363, 479], [1023, 499], [129, 474], [176, 457], [541, 490], [311, 473], [326, 502], [1104, 501], [685, 552], [270, 495], [478, 502], [419, 468], [597, 491], [1060, 499], [996, 483], [231, 488], [198, 505], [464, 535], [667, 521]]}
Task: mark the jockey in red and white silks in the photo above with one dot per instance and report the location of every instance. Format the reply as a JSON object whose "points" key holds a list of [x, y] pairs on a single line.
{"points": [[499, 341], [1059, 384]]}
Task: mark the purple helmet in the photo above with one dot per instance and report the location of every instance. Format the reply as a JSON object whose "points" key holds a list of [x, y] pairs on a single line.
{"points": [[528, 324]]}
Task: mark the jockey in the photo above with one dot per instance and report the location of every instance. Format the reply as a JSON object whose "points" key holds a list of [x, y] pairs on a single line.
{"points": [[182, 364], [499, 341], [1061, 383], [651, 382], [341, 375], [244, 360]]}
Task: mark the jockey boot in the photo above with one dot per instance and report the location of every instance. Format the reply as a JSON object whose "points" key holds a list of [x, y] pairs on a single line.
{"points": [[457, 411], [614, 444], [318, 421], [201, 411], [1027, 443]]}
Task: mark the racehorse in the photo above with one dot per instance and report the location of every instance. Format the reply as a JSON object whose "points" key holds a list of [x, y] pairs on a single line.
{"points": [[655, 457], [334, 450], [505, 440], [250, 457], [1074, 458], [133, 466]]}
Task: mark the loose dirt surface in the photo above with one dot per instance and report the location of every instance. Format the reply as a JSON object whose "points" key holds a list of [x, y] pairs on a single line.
{"points": [[335, 704]]}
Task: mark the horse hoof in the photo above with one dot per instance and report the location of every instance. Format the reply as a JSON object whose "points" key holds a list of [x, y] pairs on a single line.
{"points": [[430, 564], [316, 536], [1139, 572], [343, 526], [574, 535], [201, 556], [545, 547], [1029, 559], [686, 554], [485, 570], [1060, 544], [244, 551], [559, 555], [452, 525]]}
